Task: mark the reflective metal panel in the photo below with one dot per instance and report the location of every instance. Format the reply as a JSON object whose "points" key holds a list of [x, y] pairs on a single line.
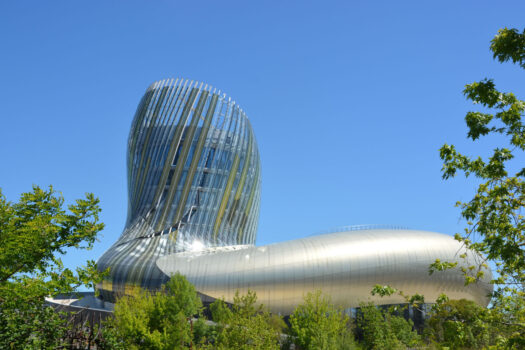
{"points": [[344, 265], [193, 182]]}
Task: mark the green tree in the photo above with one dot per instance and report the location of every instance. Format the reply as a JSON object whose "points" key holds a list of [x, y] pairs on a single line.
{"points": [[247, 325], [318, 324], [34, 233], [495, 219], [158, 320], [460, 324], [376, 329], [385, 327], [508, 319], [496, 225]]}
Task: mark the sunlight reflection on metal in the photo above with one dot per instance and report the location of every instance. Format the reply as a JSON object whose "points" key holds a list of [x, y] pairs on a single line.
{"points": [[194, 179], [344, 265]]}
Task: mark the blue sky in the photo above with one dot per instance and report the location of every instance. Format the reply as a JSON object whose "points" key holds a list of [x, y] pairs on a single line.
{"points": [[350, 101]]}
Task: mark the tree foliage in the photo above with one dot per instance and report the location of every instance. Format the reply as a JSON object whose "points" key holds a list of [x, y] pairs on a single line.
{"points": [[384, 328], [158, 320], [460, 324], [495, 214], [34, 233], [318, 324], [247, 325], [161, 321], [463, 324], [495, 218], [507, 319], [415, 300], [509, 45]]}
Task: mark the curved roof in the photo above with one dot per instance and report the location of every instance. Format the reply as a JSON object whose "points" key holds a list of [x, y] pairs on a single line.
{"points": [[344, 265]]}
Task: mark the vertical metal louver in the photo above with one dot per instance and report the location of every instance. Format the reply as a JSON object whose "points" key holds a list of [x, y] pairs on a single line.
{"points": [[194, 180]]}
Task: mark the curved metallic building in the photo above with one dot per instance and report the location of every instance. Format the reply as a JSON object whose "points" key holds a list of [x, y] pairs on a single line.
{"points": [[193, 182], [345, 265], [194, 189]]}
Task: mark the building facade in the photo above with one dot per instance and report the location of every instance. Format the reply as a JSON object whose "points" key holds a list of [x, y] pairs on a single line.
{"points": [[194, 182]]}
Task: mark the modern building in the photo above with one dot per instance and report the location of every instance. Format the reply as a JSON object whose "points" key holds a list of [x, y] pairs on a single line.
{"points": [[194, 182]]}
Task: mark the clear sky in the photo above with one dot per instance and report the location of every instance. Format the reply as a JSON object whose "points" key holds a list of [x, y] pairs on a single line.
{"points": [[350, 101]]}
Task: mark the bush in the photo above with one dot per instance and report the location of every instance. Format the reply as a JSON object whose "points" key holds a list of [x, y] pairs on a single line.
{"points": [[382, 329], [318, 324], [161, 320]]}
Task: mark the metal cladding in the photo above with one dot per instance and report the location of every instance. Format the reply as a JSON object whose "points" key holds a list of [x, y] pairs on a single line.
{"points": [[193, 182], [345, 265]]}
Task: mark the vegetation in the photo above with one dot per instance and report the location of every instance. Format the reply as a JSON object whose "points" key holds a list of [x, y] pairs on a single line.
{"points": [[460, 324], [161, 320], [496, 224], [164, 321], [385, 329], [34, 233], [247, 325], [318, 324]]}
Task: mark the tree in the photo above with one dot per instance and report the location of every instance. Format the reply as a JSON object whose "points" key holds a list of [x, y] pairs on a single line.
{"points": [[495, 218], [158, 320], [246, 325], [34, 233], [376, 330], [496, 224], [385, 327], [460, 324], [318, 324]]}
